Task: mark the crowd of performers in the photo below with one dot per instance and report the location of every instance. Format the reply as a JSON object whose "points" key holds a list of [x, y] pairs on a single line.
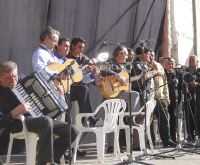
{"points": [[176, 90]]}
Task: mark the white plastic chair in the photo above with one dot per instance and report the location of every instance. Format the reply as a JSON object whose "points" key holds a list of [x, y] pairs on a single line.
{"points": [[30, 143], [111, 108], [140, 127]]}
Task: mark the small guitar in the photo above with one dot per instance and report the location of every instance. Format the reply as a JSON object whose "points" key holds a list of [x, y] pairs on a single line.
{"points": [[69, 73], [110, 86]]}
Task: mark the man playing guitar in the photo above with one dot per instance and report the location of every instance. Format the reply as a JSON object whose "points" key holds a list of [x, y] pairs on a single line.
{"points": [[115, 79], [86, 94]]}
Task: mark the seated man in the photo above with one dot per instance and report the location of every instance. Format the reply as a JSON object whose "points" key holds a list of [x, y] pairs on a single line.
{"points": [[12, 108], [85, 92]]}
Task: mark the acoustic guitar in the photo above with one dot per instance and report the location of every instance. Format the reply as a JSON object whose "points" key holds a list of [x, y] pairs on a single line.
{"points": [[110, 86], [69, 73]]}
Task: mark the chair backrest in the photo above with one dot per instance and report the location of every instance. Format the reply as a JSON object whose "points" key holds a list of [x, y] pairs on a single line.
{"points": [[132, 98], [150, 105], [112, 109]]}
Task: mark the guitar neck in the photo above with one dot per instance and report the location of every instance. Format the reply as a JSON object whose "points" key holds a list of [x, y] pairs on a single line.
{"points": [[145, 76]]}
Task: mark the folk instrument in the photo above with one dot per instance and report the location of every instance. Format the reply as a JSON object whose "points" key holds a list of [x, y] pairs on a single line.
{"points": [[110, 86], [71, 71]]}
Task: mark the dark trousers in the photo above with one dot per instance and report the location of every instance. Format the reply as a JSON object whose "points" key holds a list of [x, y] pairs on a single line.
{"points": [[42, 127], [172, 109], [191, 124], [80, 92], [87, 95], [161, 113]]}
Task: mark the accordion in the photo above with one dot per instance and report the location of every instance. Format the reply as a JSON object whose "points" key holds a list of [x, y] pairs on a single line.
{"points": [[40, 92]]}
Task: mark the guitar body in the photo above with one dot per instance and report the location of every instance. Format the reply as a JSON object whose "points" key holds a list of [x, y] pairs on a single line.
{"points": [[72, 71], [110, 86]]}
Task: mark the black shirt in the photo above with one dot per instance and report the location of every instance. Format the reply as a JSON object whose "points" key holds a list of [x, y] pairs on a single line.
{"points": [[81, 60], [142, 86], [172, 79], [8, 101]]}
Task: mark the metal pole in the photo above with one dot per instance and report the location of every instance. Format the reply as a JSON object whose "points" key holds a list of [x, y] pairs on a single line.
{"points": [[194, 26]]}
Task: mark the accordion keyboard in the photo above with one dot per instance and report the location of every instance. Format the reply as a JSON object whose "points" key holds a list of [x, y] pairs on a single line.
{"points": [[31, 99]]}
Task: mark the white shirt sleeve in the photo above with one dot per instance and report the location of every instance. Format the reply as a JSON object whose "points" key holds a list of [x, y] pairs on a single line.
{"points": [[40, 59]]}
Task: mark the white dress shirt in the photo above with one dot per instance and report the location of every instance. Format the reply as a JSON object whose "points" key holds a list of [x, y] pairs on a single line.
{"points": [[42, 57]]}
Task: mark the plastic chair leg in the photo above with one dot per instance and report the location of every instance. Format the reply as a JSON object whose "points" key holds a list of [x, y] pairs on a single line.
{"points": [[100, 140], [9, 150], [127, 133], [31, 145], [116, 145], [149, 137], [76, 146], [141, 139]]}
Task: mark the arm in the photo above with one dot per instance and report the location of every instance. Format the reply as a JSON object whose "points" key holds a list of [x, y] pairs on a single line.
{"points": [[19, 110], [10, 105], [40, 59]]}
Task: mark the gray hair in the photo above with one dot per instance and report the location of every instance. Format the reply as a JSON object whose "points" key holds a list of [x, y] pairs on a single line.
{"points": [[49, 31], [7, 66]]}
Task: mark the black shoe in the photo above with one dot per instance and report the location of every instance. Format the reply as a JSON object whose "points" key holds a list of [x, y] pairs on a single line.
{"points": [[89, 122], [81, 153], [67, 157], [170, 143]]}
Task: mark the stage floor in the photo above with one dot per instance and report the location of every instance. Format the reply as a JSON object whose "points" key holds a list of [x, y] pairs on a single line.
{"points": [[181, 158]]}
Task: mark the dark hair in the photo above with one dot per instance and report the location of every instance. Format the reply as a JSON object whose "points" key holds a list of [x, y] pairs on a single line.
{"points": [[76, 40], [48, 32], [117, 50], [7, 66], [62, 39], [141, 50]]}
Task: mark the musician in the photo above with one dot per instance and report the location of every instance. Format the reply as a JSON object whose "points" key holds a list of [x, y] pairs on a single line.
{"points": [[62, 49], [85, 93], [117, 66], [44, 54], [77, 49], [143, 82], [117, 72], [131, 55], [12, 108], [191, 96], [162, 98]]}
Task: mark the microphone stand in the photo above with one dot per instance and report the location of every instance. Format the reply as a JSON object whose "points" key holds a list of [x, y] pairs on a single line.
{"points": [[180, 145], [145, 153], [130, 156], [67, 71], [144, 101]]}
